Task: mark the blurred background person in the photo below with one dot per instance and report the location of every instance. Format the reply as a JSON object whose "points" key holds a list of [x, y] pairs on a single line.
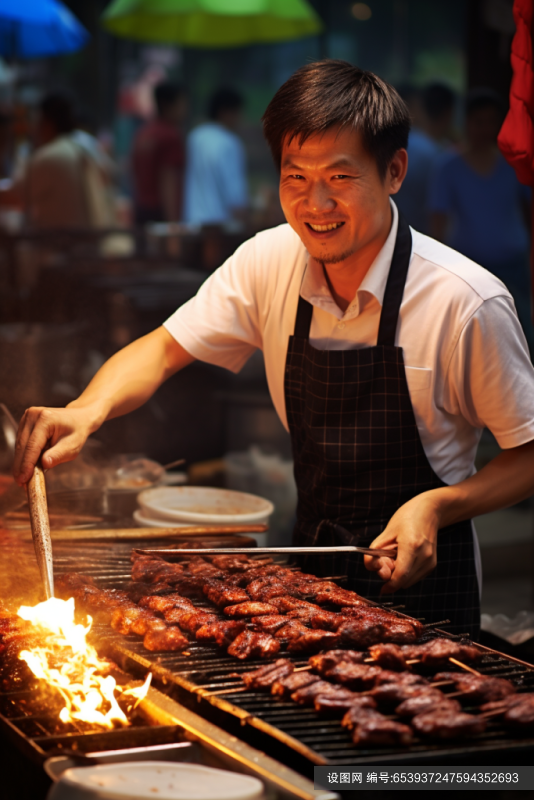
{"points": [[432, 112], [59, 186], [84, 134], [439, 104], [215, 179], [158, 158], [479, 207]]}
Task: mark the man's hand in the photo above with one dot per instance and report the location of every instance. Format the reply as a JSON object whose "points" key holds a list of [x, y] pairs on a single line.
{"points": [[61, 432], [413, 530], [123, 384]]}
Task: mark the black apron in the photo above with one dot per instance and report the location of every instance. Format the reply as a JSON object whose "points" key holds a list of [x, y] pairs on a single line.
{"points": [[358, 458]]}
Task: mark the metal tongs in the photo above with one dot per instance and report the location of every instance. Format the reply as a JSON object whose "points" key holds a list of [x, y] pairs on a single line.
{"points": [[256, 551], [40, 523]]}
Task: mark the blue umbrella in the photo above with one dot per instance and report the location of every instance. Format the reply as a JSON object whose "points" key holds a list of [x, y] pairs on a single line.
{"points": [[33, 28]]}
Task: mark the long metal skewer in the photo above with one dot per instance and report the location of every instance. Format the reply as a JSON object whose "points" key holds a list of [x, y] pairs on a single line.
{"points": [[40, 523], [256, 551]]}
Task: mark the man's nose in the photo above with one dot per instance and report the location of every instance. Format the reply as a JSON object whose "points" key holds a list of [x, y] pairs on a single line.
{"points": [[320, 198]]}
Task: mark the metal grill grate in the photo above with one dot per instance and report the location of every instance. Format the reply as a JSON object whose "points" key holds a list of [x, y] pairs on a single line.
{"points": [[290, 733]]}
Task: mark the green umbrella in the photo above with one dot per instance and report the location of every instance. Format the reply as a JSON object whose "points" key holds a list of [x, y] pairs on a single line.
{"points": [[211, 23]]}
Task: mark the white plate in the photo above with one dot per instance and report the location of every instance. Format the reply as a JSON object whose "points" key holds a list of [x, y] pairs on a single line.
{"points": [[155, 779], [204, 504], [150, 522]]}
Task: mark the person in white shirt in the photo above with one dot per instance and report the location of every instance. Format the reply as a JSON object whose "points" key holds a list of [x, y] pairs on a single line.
{"points": [[62, 184], [215, 189], [386, 354]]}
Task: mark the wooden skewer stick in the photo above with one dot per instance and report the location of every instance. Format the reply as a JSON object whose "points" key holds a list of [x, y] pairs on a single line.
{"points": [[228, 691], [433, 624], [302, 669], [464, 666], [495, 713], [411, 661]]}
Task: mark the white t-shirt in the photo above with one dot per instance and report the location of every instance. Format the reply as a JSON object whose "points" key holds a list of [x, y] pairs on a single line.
{"points": [[54, 188], [466, 358]]}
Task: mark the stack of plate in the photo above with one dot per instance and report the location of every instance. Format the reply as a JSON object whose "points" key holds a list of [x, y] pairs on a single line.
{"points": [[178, 506]]}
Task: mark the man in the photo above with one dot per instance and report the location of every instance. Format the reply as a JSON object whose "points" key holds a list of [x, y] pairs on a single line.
{"points": [[158, 159], [215, 179], [386, 352]]}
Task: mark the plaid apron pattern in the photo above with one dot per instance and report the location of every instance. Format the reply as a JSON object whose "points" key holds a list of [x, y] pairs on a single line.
{"points": [[359, 457]]}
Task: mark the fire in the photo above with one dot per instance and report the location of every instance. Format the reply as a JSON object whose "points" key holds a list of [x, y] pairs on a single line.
{"points": [[66, 661]]}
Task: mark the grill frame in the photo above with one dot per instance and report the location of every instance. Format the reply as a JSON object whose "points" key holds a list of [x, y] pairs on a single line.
{"points": [[259, 718]]}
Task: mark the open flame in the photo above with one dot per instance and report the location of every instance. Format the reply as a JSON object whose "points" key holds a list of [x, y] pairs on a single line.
{"points": [[66, 661]]}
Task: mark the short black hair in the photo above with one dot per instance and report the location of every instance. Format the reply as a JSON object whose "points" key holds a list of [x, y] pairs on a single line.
{"points": [[437, 99], [332, 93], [224, 100], [483, 98], [58, 108], [166, 94]]}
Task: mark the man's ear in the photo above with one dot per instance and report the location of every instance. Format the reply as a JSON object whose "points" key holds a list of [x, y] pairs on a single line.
{"points": [[397, 170]]}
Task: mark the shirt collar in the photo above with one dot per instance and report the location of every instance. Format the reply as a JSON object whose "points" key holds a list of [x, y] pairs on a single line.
{"points": [[315, 289]]}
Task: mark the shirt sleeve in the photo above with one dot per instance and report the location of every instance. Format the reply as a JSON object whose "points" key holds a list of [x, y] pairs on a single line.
{"points": [[490, 380], [220, 325], [440, 192]]}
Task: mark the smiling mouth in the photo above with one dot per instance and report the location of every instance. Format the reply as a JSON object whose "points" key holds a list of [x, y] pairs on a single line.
{"points": [[324, 228]]}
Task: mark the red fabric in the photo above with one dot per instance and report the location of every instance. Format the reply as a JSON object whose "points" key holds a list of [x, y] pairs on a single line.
{"points": [[516, 138], [158, 146]]}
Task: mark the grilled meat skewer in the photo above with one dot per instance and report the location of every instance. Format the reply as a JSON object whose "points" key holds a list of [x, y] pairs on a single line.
{"points": [[369, 727], [478, 688], [251, 644], [445, 723], [264, 677], [222, 632]]}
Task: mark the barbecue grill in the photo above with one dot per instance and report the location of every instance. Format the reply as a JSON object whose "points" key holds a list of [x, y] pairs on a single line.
{"points": [[292, 735]]}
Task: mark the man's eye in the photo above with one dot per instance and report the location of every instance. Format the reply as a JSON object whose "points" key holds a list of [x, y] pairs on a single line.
{"points": [[337, 177]]}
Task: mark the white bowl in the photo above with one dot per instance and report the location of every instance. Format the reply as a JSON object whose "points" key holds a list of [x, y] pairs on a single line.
{"points": [[150, 522], [149, 779], [156, 522], [204, 504]]}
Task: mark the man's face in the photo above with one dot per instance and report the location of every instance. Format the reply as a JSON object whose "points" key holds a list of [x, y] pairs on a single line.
{"points": [[332, 194]]}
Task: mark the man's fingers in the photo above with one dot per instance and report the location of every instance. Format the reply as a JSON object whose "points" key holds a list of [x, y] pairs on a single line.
{"points": [[34, 435], [23, 434], [409, 569], [66, 450], [381, 565]]}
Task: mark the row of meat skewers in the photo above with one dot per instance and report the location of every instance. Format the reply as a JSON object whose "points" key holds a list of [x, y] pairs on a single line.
{"points": [[339, 683], [264, 606]]}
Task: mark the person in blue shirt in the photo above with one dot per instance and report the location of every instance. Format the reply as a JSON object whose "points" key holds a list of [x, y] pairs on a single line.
{"points": [[216, 189], [479, 207], [432, 111]]}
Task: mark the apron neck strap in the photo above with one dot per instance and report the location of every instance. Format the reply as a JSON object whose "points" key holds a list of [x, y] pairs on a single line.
{"points": [[392, 294], [304, 318], [395, 284]]}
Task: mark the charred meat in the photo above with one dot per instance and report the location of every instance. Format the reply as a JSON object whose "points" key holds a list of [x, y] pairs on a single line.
{"points": [[445, 723], [252, 644], [222, 632], [264, 677]]}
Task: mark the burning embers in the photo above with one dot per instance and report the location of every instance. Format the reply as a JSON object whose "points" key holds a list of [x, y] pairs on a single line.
{"points": [[59, 654]]}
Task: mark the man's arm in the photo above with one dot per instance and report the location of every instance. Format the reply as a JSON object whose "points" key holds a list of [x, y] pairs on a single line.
{"points": [[413, 529], [124, 383]]}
